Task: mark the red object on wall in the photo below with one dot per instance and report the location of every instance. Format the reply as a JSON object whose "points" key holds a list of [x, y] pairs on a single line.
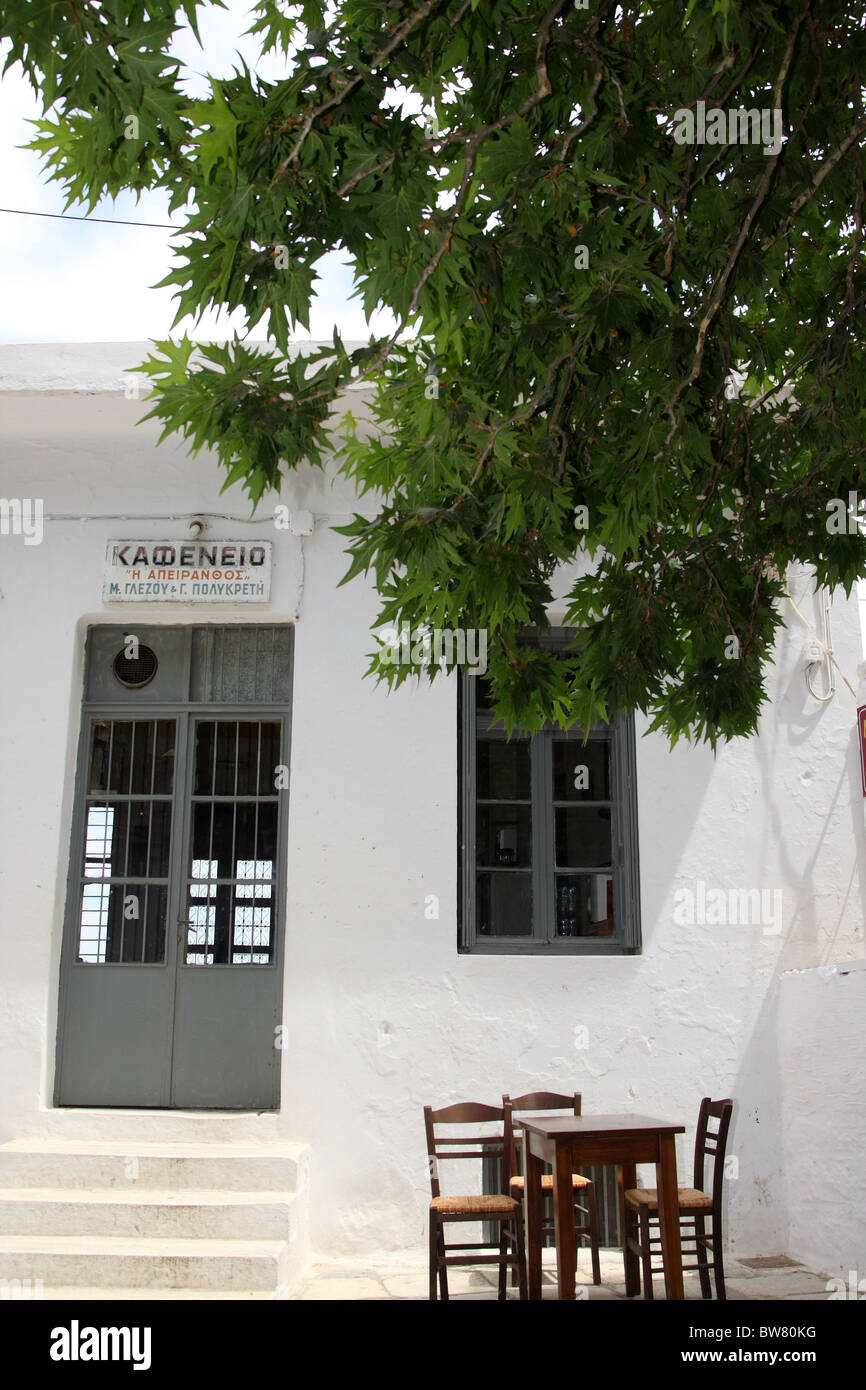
{"points": [[861, 739]]}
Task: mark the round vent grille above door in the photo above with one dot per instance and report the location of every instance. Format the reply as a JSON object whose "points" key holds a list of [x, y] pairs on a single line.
{"points": [[136, 671]]}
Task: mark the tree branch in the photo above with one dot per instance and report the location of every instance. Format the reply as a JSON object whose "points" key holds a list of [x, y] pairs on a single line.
{"points": [[424, 9], [829, 164], [721, 285]]}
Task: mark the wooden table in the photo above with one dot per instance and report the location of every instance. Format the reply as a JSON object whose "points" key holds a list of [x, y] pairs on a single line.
{"points": [[570, 1142]]}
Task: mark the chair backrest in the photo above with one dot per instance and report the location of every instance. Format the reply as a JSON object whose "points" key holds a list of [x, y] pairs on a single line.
{"points": [[532, 1103], [475, 1145], [710, 1142]]}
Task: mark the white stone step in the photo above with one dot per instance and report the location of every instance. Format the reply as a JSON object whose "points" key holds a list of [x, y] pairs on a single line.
{"points": [[68, 1163], [180, 1212], [76, 1294], [116, 1126], [113, 1262]]}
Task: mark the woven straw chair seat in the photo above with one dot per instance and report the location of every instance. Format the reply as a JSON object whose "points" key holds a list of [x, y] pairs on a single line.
{"points": [[518, 1183], [485, 1205], [690, 1199]]}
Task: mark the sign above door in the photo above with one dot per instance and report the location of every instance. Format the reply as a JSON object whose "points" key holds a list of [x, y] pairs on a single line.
{"points": [[213, 571]]}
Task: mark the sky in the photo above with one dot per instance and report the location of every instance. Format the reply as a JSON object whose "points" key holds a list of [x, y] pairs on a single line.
{"points": [[68, 282]]}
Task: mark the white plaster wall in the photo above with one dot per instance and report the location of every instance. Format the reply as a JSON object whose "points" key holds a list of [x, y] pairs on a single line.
{"points": [[382, 1013], [821, 1021]]}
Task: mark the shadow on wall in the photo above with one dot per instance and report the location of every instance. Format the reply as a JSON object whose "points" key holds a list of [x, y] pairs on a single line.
{"points": [[787, 1121]]}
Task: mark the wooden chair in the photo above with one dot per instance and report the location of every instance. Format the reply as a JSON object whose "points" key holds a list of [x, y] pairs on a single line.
{"points": [[493, 1207], [586, 1223], [697, 1206]]}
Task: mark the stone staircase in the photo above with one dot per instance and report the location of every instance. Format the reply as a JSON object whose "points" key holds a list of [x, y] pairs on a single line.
{"points": [[100, 1219]]}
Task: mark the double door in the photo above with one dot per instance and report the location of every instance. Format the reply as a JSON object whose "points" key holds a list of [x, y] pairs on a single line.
{"points": [[172, 964]]}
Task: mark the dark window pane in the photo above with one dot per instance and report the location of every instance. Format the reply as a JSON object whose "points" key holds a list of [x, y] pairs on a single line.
{"points": [[142, 757], [160, 838], [504, 904], [483, 694], [231, 922], [114, 923], [226, 755], [155, 923], [139, 835], [270, 757], [503, 771], [223, 838], [222, 901], [133, 911], [204, 751], [121, 756], [581, 771], [202, 812], [248, 759], [504, 836], [245, 833], [99, 752], [163, 778], [267, 838], [583, 837], [584, 905]]}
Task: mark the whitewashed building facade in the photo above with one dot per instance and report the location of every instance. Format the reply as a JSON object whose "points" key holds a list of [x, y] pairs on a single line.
{"points": [[155, 1093]]}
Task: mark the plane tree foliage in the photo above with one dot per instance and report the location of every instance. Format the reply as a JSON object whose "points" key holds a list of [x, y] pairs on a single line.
{"points": [[626, 381]]}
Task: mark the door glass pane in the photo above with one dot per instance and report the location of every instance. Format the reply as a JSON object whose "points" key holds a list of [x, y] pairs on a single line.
{"points": [[163, 767], [231, 883], [142, 756], [121, 755], [160, 823], [138, 851], [266, 839], [123, 898], [248, 759], [226, 759], [270, 758], [100, 753], [245, 831], [205, 733]]}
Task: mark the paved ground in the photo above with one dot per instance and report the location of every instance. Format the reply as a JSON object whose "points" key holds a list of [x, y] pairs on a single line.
{"points": [[385, 1278]]}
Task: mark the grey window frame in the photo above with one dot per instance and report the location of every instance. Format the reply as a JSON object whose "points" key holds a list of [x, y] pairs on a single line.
{"points": [[625, 871]]}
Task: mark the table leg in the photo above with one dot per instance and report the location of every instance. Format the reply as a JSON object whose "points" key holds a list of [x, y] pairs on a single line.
{"points": [[532, 1207], [563, 1215], [627, 1179], [669, 1216]]}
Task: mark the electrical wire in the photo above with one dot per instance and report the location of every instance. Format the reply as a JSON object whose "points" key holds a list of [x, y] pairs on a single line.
{"points": [[77, 217], [830, 655]]}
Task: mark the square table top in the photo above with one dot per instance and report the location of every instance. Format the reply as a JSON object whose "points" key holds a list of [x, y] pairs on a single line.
{"points": [[585, 1125]]}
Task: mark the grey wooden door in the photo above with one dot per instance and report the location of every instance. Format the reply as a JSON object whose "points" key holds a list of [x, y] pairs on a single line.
{"points": [[173, 941]]}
